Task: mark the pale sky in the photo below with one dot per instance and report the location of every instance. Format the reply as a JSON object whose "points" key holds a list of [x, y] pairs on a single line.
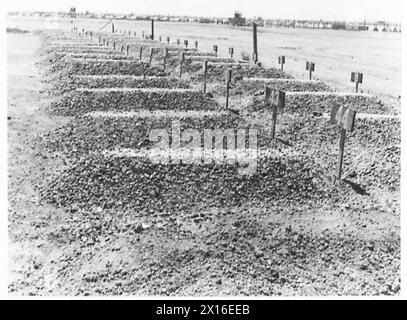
{"points": [[389, 10]]}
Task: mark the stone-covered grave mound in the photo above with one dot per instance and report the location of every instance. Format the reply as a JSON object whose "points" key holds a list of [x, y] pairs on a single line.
{"points": [[322, 102], [143, 180], [116, 81], [372, 150], [69, 67], [82, 101], [110, 130], [216, 72]]}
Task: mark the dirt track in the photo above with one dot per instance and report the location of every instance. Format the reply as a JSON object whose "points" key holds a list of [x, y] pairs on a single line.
{"points": [[247, 250]]}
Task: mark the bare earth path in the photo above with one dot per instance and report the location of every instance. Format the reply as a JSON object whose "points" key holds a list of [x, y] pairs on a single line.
{"points": [[27, 249]]}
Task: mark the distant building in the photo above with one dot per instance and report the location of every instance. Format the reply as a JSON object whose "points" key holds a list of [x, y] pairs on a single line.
{"points": [[237, 20], [72, 12]]}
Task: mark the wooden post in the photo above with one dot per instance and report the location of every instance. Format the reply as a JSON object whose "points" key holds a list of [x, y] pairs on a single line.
{"points": [[165, 58], [181, 57], [344, 118], [91, 34], [141, 53], [168, 40], [340, 154], [104, 41], [160, 38], [357, 78], [215, 49], [205, 67], [112, 27], [152, 29], [228, 79], [151, 55], [231, 51], [186, 43], [310, 66], [196, 44], [275, 99], [99, 39], [281, 61], [273, 121], [255, 53], [127, 50]]}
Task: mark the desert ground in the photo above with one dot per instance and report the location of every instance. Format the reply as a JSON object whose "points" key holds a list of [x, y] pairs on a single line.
{"points": [[336, 53], [327, 245]]}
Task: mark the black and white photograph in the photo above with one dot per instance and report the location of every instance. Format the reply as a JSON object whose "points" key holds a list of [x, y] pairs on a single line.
{"points": [[202, 149]]}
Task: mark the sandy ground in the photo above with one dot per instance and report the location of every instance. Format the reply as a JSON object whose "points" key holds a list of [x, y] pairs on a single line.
{"points": [[236, 251], [335, 53]]}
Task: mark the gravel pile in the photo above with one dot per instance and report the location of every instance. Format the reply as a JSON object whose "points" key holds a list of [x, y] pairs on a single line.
{"points": [[256, 85], [322, 102], [122, 99], [110, 130], [372, 151], [116, 81], [199, 54], [216, 72], [129, 180], [106, 67], [103, 56], [194, 59], [91, 50]]}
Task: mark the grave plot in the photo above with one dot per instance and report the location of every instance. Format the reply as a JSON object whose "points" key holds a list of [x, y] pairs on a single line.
{"points": [[110, 130], [79, 45], [252, 85], [210, 59], [55, 60], [199, 54], [216, 72], [69, 67], [143, 180], [104, 56], [82, 101], [256, 86], [322, 102], [116, 81], [81, 49], [190, 65], [371, 152]]}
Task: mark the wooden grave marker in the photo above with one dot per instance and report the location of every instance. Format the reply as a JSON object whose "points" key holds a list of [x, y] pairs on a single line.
{"points": [[344, 118], [276, 100], [205, 73], [357, 78], [228, 80], [281, 61], [310, 66]]}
